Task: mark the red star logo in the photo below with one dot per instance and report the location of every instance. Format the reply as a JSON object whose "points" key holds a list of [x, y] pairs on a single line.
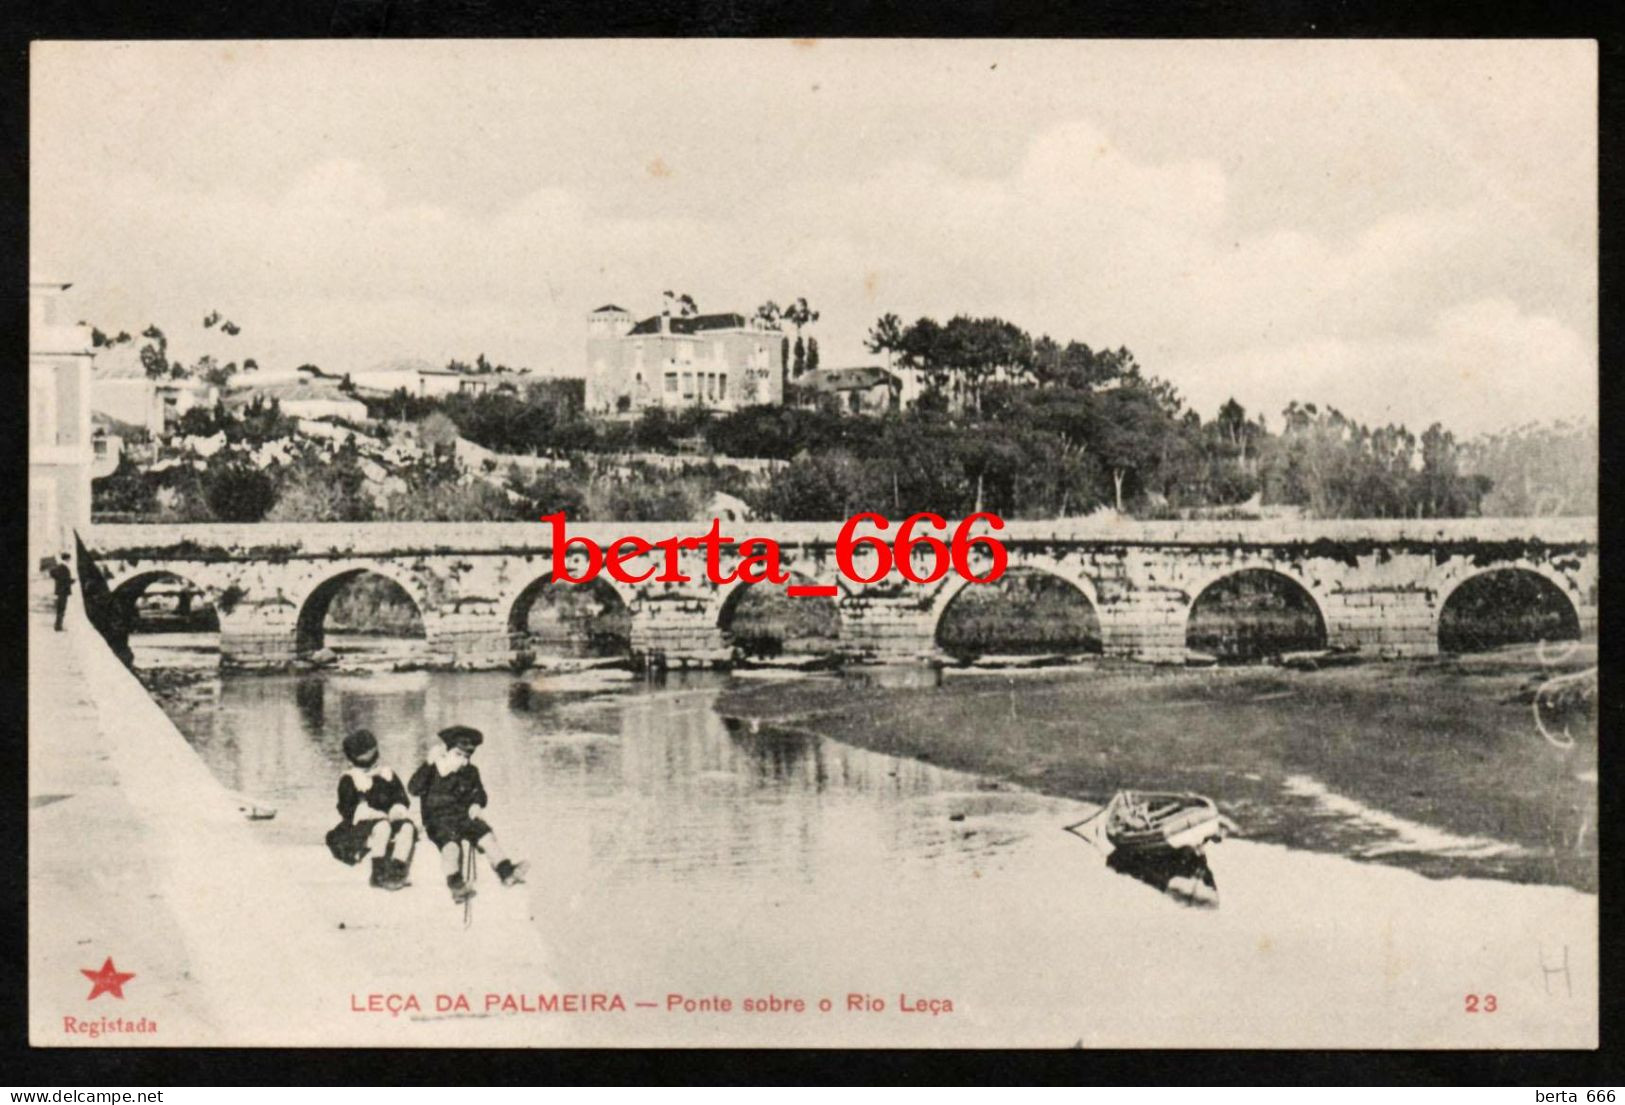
{"points": [[108, 980]]}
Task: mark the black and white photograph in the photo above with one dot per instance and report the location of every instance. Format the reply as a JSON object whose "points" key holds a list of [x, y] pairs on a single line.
{"points": [[807, 543]]}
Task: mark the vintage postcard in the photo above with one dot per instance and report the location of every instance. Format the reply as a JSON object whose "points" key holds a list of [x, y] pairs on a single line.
{"points": [[813, 543]]}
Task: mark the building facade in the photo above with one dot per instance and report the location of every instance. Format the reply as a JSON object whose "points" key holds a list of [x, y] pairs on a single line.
{"points": [[60, 450], [121, 390], [303, 398], [445, 381], [864, 389], [721, 362]]}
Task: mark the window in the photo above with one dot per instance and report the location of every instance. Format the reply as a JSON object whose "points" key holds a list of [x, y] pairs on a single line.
{"points": [[688, 385], [671, 383], [722, 385]]}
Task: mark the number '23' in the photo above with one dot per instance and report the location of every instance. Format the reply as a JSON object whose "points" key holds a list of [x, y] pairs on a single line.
{"points": [[1474, 1006]]}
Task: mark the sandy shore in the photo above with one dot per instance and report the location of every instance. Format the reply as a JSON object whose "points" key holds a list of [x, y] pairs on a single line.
{"points": [[1351, 760]]}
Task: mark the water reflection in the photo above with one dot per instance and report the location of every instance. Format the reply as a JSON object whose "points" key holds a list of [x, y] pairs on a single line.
{"points": [[622, 784], [1182, 874], [674, 850]]}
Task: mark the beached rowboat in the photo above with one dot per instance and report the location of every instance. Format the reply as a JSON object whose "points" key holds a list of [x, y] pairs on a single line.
{"points": [[1140, 822], [1151, 821]]}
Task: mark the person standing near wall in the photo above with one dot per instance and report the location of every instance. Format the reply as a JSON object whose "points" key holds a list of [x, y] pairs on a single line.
{"points": [[64, 587]]}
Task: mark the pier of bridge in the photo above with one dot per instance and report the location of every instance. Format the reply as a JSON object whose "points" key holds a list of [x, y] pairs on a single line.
{"points": [[1379, 585]]}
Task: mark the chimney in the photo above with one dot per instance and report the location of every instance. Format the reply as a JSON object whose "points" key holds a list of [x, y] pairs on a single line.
{"points": [[665, 312]]}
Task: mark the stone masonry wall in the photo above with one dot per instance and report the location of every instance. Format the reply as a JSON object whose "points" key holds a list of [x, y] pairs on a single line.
{"points": [[1379, 585]]}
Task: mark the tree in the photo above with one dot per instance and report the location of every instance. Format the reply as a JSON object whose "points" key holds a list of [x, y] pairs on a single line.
{"points": [[320, 489], [923, 351], [239, 493], [1128, 432], [1536, 470], [549, 493], [256, 423], [437, 432], [154, 354], [814, 488], [684, 304], [1236, 430], [886, 336], [437, 491], [126, 490], [200, 421], [800, 316], [212, 372]]}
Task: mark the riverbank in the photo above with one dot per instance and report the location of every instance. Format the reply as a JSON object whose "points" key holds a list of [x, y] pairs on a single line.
{"points": [[676, 853], [138, 855], [1435, 765]]}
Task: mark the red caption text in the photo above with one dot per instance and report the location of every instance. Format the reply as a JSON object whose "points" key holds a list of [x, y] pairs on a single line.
{"points": [[913, 552]]}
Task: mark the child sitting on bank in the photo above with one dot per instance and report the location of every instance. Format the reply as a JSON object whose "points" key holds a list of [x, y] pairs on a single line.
{"points": [[454, 801], [375, 816]]}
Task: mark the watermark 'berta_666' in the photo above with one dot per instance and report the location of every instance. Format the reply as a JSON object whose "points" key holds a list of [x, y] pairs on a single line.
{"points": [[759, 562]]}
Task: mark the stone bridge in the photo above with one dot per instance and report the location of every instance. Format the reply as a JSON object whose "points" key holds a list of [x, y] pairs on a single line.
{"points": [[1377, 584]]}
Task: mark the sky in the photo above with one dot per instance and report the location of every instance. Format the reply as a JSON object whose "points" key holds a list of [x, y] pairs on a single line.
{"points": [[1405, 231]]}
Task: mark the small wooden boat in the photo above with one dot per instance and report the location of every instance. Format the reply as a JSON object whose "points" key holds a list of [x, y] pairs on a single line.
{"points": [[1153, 821], [1149, 823]]}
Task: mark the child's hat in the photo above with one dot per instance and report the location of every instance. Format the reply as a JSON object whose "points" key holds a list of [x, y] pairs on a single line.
{"points": [[359, 745], [462, 736]]}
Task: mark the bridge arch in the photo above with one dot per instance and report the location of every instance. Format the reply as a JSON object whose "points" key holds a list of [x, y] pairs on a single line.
{"points": [[603, 631], [132, 586], [1249, 611], [820, 616], [129, 591], [1533, 602], [313, 604], [1089, 629]]}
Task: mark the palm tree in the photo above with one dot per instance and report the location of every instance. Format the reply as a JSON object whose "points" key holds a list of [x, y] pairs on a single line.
{"points": [[799, 315]]}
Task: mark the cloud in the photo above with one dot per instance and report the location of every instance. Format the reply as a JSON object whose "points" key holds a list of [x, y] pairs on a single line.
{"points": [[1481, 366], [1428, 311]]}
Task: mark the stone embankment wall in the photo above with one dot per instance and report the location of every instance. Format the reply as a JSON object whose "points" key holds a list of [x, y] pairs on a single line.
{"points": [[268, 939]]}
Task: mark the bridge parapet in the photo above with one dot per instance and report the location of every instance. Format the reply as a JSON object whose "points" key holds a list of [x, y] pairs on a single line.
{"points": [[280, 539]]}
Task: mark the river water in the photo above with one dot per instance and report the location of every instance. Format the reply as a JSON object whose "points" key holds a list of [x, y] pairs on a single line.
{"points": [[675, 851]]}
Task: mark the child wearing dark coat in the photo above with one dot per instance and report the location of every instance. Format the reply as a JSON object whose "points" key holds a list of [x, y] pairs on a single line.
{"points": [[375, 816], [454, 800]]}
